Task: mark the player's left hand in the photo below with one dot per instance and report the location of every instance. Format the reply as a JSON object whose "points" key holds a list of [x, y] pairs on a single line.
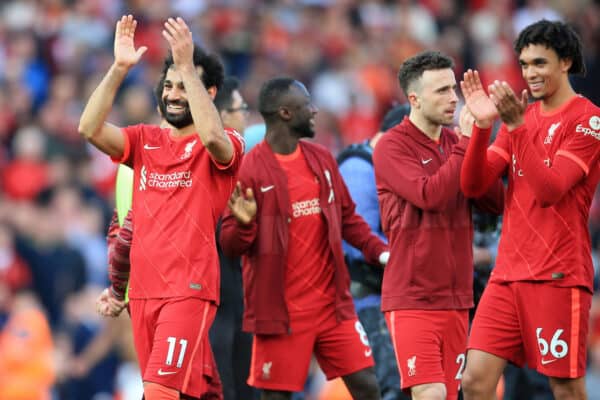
{"points": [[179, 36], [510, 108]]}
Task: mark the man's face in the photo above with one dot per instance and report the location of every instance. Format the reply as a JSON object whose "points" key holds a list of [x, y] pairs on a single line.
{"points": [[436, 96], [302, 110], [542, 70], [173, 105], [236, 115]]}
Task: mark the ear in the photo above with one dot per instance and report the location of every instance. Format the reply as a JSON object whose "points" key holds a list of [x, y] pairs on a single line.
{"points": [[565, 64], [212, 92], [413, 99], [284, 114]]}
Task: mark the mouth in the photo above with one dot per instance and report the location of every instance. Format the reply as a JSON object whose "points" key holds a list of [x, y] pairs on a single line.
{"points": [[174, 108], [535, 86]]}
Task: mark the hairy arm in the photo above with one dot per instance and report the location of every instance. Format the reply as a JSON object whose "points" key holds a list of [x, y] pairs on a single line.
{"points": [[92, 124], [204, 113]]}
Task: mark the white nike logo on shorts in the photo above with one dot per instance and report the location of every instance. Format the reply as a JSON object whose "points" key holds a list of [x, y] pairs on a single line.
{"points": [[426, 161], [148, 147], [266, 188], [544, 362], [162, 373]]}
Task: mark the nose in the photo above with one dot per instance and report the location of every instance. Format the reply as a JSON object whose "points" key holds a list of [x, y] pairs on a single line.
{"points": [[453, 97], [528, 72], [313, 108], [174, 93]]}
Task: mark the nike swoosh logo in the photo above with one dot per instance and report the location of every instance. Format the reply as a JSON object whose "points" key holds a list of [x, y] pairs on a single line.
{"points": [[368, 353], [266, 188], [544, 362], [426, 161], [162, 373], [148, 147]]}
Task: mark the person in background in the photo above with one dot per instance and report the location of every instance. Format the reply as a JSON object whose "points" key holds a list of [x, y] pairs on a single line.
{"points": [[26, 346], [356, 167], [231, 346]]}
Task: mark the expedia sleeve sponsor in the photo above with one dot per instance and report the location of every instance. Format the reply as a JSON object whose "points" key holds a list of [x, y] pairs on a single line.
{"points": [[588, 131]]}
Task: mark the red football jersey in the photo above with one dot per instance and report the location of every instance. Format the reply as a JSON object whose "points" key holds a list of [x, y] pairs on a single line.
{"points": [[309, 282], [549, 243], [179, 194]]}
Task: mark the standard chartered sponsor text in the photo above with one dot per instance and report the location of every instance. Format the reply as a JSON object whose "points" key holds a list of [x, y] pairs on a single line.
{"points": [[306, 207], [169, 181]]}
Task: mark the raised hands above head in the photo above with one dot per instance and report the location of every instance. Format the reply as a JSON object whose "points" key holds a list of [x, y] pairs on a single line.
{"points": [[126, 54], [179, 36]]}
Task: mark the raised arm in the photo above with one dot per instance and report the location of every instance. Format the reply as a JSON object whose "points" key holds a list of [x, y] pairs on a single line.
{"points": [[206, 118], [92, 124], [478, 172], [548, 182]]}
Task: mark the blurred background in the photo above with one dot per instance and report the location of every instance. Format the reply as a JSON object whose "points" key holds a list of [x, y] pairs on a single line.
{"points": [[56, 191]]}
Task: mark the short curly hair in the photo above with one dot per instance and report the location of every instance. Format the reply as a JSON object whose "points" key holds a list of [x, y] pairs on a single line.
{"points": [[213, 71], [413, 68], [555, 35]]}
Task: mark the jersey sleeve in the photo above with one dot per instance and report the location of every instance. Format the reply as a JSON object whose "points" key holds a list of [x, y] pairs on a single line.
{"points": [[483, 165], [132, 136], [501, 145], [583, 145], [399, 171], [239, 146]]}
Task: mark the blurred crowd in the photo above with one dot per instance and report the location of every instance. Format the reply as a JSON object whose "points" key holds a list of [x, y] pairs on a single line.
{"points": [[56, 191]]}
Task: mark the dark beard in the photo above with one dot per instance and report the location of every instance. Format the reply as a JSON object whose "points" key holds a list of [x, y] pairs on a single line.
{"points": [[304, 129], [177, 120]]}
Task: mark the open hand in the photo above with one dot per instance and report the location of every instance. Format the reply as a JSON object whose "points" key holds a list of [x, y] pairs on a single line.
{"points": [[242, 205], [179, 36], [480, 105], [510, 107], [125, 53]]}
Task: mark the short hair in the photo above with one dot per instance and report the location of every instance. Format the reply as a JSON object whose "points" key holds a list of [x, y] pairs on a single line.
{"points": [[213, 71], [413, 68], [224, 98], [555, 35], [394, 116], [271, 94]]}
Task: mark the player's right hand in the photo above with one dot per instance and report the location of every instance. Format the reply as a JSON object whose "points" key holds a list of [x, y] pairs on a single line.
{"points": [[242, 205], [108, 306], [126, 55], [465, 123], [480, 105]]}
